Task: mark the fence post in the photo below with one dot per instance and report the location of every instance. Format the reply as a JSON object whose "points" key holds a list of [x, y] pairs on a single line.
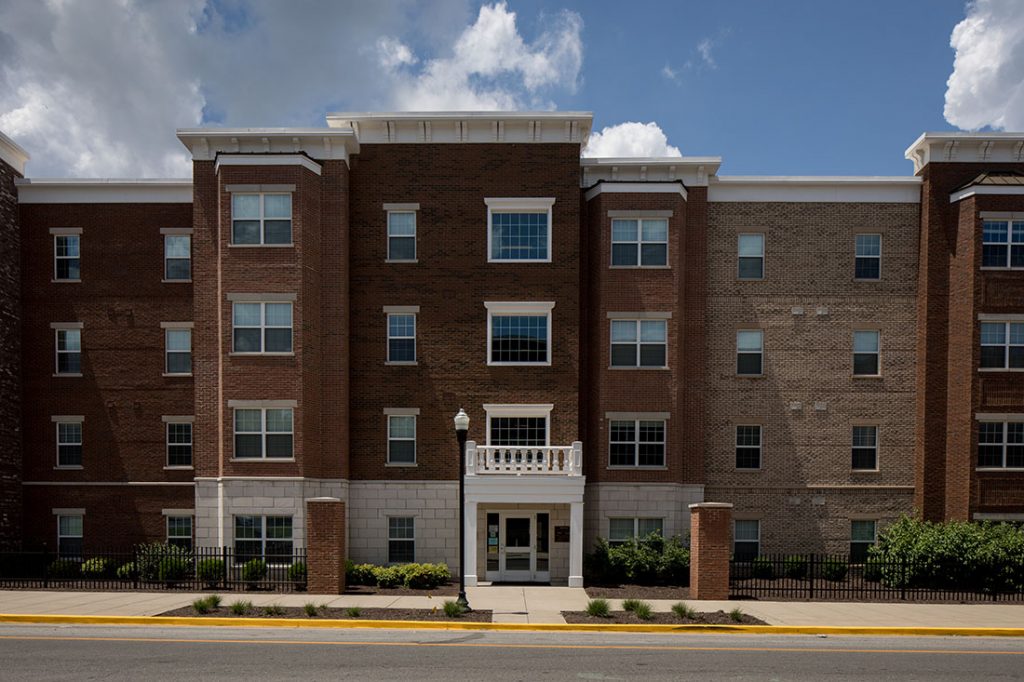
{"points": [[903, 578], [224, 567], [46, 566], [710, 547], [810, 574]]}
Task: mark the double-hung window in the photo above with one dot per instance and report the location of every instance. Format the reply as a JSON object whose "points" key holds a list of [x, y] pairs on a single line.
{"points": [[263, 537], [866, 354], [69, 536], [518, 425], [750, 352], [519, 230], [639, 242], [401, 539], [178, 342], [402, 334], [750, 248], [636, 443], [179, 531], [262, 327], [748, 446], [401, 235], [639, 343], [401, 436], [261, 219], [623, 529], [1002, 244], [67, 255], [69, 348], [865, 448], [69, 441], [177, 254], [868, 256], [862, 537], [746, 539], [1002, 345], [179, 442], [519, 333], [264, 433], [1001, 444]]}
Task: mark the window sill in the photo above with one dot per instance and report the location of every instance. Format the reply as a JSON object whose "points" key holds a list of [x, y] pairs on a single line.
{"points": [[261, 246], [865, 471], [172, 375], [518, 364], [176, 281], [750, 279], [178, 468], [65, 281], [639, 267], [869, 377], [1001, 268], [1016, 470], [750, 376], [876, 280], [513, 261], [628, 367], [67, 374], [402, 465], [611, 467], [262, 459], [68, 467], [401, 363], [401, 260], [989, 370], [748, 470], [261, 355]]}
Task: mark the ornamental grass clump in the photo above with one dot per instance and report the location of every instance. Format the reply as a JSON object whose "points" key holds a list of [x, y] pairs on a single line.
{"points": [[452, 609], [684, 611], [240, 608], [598, 608], [736, 615]]}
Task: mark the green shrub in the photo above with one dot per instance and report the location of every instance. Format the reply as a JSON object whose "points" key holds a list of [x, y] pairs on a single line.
{"points": [[795, 567], [310, 609], [150, 558], [736, 615], [684, 611], [174, 569], [254, 571], [642, 610], [359, 574], [127, 572], [273, 610], [214, 600], [63, 569], [762, 569], [353, 612], [873, 569], [452, 609], [675, 564], [240, 608], [426, 576], [388, 576], [210, 571], [206, 604], [96, 568], [834, 570], [646, 561], [598, 607], [297, 573], [630, 604]]}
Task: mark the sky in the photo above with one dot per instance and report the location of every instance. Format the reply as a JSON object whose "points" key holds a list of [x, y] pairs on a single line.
{"points": [[96, 88]]}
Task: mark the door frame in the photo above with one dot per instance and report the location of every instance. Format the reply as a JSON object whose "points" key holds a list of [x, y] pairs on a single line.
{"points": [[532, 575]]}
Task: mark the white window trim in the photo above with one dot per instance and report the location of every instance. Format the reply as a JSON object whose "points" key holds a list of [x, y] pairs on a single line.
{"points": [[390, 539], [764, 260], [404, 311], [855, 353], [177, 232], [878, 257], [747, 352], [68, 419], [736, 445], [1005, 420], [1006, 321], [168, 327], [61, 513], [58, 327], [1012, 218], [263, 300], [636, 445], [402, 412], [518, 205], [56, 232], [168, 420], [520, 411], [874, 539], [263, 533], [191, 526], [262, 406], [637, 318], [523, 309], [735, 540], [877, 447], [639, 217], [262, 220], [636, 526], [414, 209]]}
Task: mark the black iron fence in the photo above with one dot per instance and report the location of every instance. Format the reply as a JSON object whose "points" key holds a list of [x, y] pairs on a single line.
{"points": [[156, 567], [828, 577]]}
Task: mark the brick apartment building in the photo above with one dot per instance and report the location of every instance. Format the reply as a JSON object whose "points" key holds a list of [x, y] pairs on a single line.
{"points": [[192, 360]]}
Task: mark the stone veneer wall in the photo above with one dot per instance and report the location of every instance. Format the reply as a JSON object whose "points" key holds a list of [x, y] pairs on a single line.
{"points": [[10, 361], [667, 501]]}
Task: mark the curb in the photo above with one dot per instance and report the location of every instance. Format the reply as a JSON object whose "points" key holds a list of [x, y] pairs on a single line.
{"points": [[514, 627]]}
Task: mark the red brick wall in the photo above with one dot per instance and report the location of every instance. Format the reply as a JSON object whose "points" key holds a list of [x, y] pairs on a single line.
{"points": [[10, 361], [450, 283], [325, 551], [710, 549]]}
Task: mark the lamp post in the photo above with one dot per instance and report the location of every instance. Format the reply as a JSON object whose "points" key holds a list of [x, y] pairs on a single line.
{"points": [[461, 432]]}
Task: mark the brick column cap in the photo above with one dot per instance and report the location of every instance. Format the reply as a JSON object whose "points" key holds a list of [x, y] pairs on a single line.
{"points": [[323, 499], [711, 505]]}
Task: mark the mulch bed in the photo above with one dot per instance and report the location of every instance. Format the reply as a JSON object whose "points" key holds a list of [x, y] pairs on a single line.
{"points": [[638, 592], [449, 590], [711, 618], [339, 614]]}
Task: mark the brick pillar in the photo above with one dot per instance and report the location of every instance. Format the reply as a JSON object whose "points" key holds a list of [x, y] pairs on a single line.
{"points": [[325, 545], [710, 548]]}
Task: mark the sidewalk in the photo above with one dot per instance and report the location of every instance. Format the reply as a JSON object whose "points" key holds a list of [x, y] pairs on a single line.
{"points": [[532, 605]]}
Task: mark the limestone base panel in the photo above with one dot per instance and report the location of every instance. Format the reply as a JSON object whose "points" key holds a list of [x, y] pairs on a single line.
{"points": [[669, 502]]}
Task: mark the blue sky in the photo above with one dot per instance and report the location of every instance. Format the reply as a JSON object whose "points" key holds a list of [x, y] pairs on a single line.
{"points": [[781, 87]]}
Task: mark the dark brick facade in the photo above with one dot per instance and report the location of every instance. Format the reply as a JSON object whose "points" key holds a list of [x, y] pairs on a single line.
{"points": [[10, 361]]}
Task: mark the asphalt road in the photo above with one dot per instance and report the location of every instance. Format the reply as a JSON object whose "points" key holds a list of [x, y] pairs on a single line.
{"points": [[45, 652]]}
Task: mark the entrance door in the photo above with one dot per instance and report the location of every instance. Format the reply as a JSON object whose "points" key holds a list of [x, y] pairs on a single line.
{"points": [[517, 559]]}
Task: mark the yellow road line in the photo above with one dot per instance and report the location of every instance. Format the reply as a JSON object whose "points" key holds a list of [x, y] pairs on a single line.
{"points": [[498, 645]]}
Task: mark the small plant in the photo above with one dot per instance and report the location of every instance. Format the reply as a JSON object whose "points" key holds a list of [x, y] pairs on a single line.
{"points": [[360, 574], [174, 569], [127, 572], [214, 600], [95, 568], [210, 571], [254, 571], [273, 610], [452, 609], [630, 604], [426, 576], [206, 604], [353, 612], [795, 567], [834, 570], [310, 609], [736, 615], [297, 574], [64, 568], [684, 611], [240, 608], [762, 569], [598, 608], [160, 562], [388, 576], [642, 610]]}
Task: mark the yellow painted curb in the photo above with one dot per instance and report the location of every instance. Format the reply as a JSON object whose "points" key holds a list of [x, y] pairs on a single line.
{"points": [[514, 627]]}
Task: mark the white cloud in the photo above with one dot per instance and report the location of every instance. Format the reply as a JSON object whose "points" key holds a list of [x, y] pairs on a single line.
{"points": [[986, 87], [493, 67], [394, 54], [670, 73], [630, 139], [704, 48]]}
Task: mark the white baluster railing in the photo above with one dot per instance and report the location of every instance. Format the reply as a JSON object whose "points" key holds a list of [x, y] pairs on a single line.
{"points": [[520, 460]]}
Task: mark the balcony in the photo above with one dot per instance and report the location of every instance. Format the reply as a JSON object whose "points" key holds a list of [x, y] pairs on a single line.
{"points": [[509, 460]]}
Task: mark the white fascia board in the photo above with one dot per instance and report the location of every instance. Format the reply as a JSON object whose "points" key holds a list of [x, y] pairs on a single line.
{"points": [[1005, 190], [961, 147], [520, 203], [814, 189], [611, 187], [443, 127], [539, 489], [693, 171], [267, 160], [319, 143], [12, 154], [104, 191]]}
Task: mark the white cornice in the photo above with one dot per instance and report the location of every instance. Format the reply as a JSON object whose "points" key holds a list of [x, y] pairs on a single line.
{"points": [[606, 187], [103, 191], [318, 143], [441, 127], [694, 171], [958, 147], [985, 189], [822, 188], [12, 154], [267, 160]]}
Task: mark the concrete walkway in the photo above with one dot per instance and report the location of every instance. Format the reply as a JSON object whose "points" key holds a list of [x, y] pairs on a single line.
{"points": [[530, 605]]}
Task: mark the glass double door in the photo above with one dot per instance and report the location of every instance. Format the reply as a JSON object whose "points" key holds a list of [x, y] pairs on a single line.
{"points": [[522, 547]]}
